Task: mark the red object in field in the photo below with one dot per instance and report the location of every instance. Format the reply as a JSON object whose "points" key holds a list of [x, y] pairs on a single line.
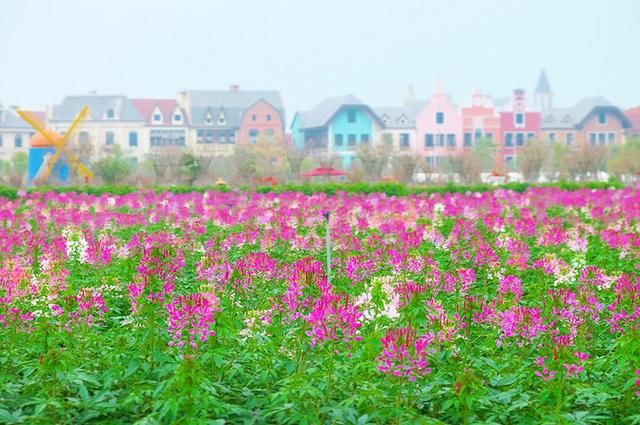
{"points": [[325, 171], [269, 180]]}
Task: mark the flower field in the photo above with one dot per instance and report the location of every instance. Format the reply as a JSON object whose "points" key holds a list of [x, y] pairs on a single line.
{"points": [[499, 307]]}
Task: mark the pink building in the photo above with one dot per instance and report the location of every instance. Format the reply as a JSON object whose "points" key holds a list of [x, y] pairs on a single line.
{"points": [[518, 123], [261, 118], [480, 120], [438, 129]]}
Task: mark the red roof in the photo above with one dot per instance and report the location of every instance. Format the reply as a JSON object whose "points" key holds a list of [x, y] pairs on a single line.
{"points": [[167, 107], [634, 116]]}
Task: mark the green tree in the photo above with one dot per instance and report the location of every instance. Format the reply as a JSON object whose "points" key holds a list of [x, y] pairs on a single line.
{"points": [[190, 168], [625, 159], [18, 168], [484, 150], [114, 168]]}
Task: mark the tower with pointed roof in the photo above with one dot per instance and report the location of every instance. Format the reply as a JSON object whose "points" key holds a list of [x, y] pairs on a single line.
{"points": [[543, 96]]}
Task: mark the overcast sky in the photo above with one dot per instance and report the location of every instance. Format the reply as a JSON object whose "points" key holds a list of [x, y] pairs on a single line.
{"points": [[312, 49]]}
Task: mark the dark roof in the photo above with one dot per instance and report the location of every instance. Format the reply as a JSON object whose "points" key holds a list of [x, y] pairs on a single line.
{"points": [[320, 115], [399, 116], [543, 86], [10, 119], [233, 103], [98, 106], [566, 118]]}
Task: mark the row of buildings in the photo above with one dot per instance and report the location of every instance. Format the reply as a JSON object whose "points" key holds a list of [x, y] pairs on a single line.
{"points": [[211, 122]]}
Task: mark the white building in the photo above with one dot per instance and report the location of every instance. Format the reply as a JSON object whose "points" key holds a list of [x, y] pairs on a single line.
{"points": [[15, 133]]}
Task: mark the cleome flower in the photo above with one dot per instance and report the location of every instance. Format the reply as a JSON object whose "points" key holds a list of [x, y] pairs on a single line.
{"points": [[404, 354]]}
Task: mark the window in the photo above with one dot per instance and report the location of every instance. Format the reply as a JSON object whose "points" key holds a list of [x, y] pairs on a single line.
{"points": [[253, 135], [157, 118], [351, 116], [489, 136], [451, 140], [439, 117], [467, 139], [602, 118], [592, 139], [209, 119], [270, 134], [428, 140], [440, 139], [519, 139], [404, 140], [569, 138], [477, 134], [111, 113], [508, 139], [602, 138], [253, 117], [337, 140], [531, 136], [352, 140], [83, 137], [177, 118], [611, 139], [509, 162], [268, 117], [364, 138], [110, 137], [133, 138], [519, 119], [18, 141], [552, 137], [222, 120]]}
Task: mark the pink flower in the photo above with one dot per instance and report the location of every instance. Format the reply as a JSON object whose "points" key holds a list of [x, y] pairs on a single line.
{"points": [[581, 356], [573, 369], [403, 354], [191, 318], [546, 374]]}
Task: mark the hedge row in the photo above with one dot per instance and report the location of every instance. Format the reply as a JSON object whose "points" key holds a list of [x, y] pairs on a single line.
{"points": [[391, 189]]}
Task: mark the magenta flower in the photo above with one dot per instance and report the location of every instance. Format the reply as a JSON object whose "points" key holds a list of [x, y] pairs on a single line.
{"points": [[333, 317], [190, 318], [404, 354], [573, 369]]}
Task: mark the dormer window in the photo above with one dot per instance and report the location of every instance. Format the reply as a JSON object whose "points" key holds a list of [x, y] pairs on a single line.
{"points": [[384, 119], [549, 119], [157, 118], [566, 119], [177, 118], [402, 119], [208, 119], [111, 114], [222, 119], [602, 118]]}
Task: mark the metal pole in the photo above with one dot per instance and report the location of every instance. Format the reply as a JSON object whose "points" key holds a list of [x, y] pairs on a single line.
{"points": [[326, 215]]}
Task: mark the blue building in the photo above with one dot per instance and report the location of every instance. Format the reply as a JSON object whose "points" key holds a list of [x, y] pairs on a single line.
{"points": [[336, 127]]}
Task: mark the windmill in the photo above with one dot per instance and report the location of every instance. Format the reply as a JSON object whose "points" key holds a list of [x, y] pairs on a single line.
{"points": [[43, 158]]}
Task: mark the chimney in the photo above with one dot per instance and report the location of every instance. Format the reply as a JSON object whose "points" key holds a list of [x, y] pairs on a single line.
{"points": [[234, 87]]}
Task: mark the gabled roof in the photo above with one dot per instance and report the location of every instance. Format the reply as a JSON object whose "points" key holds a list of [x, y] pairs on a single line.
{"points": [[633, 115], [233, 102], [325, 110], [566, 118], [10, 119], [399, 116], [98, 106], [167, 107], [543, 86]]}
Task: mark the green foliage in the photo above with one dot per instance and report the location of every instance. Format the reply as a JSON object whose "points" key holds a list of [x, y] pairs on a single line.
{"points": [[114, 168], [389, 189]]}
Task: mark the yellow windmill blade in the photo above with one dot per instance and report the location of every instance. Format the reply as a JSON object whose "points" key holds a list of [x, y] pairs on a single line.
{"points": [[81, 116], [34, 121]]}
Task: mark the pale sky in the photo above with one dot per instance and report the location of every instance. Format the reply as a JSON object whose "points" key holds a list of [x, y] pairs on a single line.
{"points": [[310, 50]]}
